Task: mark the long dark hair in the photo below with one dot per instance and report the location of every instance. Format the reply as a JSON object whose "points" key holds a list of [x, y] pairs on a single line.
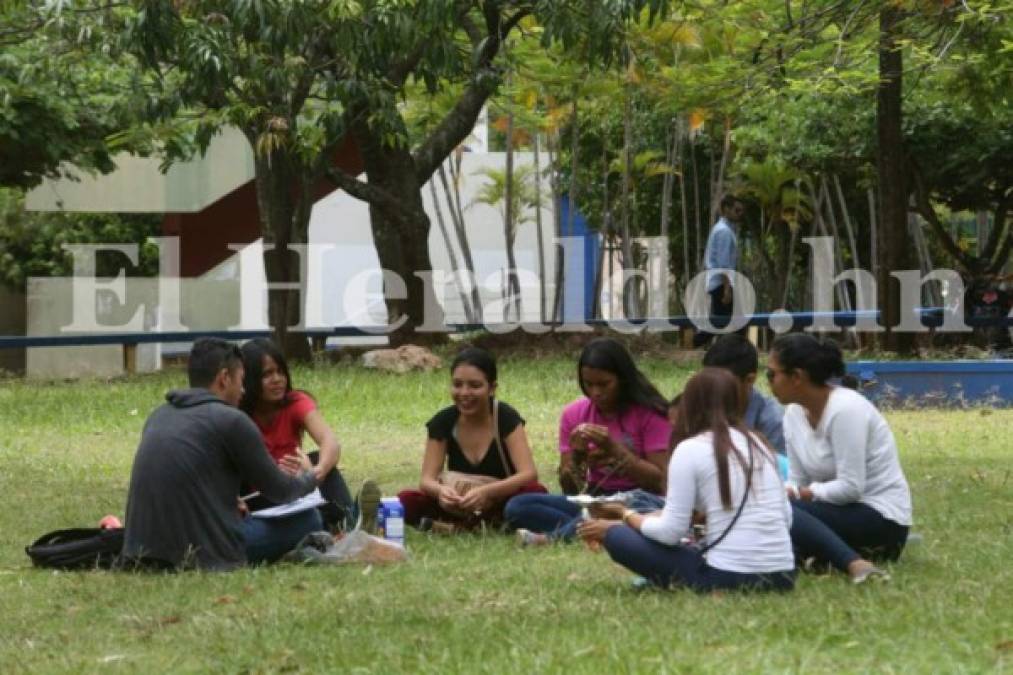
{"points": [[711, 402], [254, 352], [634, 387], [820, 359]]}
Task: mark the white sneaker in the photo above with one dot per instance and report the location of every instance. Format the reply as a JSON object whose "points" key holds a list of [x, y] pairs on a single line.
{"points": [[870, 573], [527, 538]]}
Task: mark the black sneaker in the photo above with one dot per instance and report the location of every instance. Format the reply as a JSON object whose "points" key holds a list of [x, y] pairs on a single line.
{"points": [[369, 503]]}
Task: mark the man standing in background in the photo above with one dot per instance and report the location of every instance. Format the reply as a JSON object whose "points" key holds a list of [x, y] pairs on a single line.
{"points": [[722, 253]]}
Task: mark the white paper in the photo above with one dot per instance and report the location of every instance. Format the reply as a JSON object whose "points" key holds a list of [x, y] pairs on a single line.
{"points": [[587, 500], [310, 501]]}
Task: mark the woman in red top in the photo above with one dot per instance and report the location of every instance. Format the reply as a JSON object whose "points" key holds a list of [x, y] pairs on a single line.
{"points": [[283, 415]]}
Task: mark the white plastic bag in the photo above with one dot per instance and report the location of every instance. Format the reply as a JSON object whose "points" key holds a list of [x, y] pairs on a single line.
{"points": [[355, 547]]}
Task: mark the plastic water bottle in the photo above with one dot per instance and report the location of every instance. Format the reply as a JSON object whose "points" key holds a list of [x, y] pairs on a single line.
{"points": [[390, 520], [782, 466]]}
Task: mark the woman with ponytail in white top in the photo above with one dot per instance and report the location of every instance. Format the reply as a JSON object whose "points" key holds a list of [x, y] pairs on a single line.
{"points": [[723, 471], [851, 503]]}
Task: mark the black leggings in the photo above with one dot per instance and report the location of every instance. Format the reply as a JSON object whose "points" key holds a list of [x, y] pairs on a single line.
{"points": [[840, 534]]}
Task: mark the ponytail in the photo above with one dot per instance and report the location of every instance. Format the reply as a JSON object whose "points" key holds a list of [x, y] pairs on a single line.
{"points": [[820, 359]]}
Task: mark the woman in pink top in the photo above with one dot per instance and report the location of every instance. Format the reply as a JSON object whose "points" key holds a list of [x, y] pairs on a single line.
{"points": [[615, 439]]}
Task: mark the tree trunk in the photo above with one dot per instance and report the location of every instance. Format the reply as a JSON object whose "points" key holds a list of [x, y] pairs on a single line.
{"points": [[557, 223], [820, 229], [453, 196], [685, 210], [403, 247], [607, 232], [873, 234], [698, 251], [538, 229], [599, 280], [510, 224], [892, 185], [455, 268], [629, 294], [838, 243], [788, 267], [284, 221], [513, 284], [855, 258], [718, 182], [931, 293], [767, 287], [571, 215], [666, 185]]}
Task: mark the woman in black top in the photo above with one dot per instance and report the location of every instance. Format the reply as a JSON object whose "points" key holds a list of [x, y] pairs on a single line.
{"points": [[467, 476]]}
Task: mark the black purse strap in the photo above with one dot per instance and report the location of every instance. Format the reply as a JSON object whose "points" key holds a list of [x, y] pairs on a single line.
{"points": [[742, 504], [507, 466]]}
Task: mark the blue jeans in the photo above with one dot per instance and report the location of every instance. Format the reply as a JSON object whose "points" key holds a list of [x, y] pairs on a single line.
{"points": [[339, 513], [684, 566], [268, 539], [557, 517], [840, 534]]}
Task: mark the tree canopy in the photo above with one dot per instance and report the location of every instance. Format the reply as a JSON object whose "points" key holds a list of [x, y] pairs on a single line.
{"points": [[61, 97], [649, 111]]}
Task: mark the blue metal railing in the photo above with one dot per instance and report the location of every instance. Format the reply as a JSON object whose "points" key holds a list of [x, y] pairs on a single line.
{"points": [[930, 318]]}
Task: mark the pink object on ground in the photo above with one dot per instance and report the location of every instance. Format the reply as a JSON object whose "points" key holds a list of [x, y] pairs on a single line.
{"points": [[110, 522]]}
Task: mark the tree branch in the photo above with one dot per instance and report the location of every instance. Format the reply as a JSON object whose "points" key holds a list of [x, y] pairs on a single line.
{"points": [[1001, 241], [1002, 255], [923, 207], [398, 73], [371, 194], [471, 30], [998, 228], [459, 122]]}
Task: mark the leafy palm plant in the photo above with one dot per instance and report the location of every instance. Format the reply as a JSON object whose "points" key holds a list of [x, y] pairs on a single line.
{"points": [[524, 200], [775, 187]]}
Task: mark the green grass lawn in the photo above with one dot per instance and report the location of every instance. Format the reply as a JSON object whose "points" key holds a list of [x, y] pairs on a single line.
{"points": [[475, 603]]}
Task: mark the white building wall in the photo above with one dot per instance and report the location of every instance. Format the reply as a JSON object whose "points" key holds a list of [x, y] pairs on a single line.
{"points": [[204, 305], [342, 286], [139, 186], [343, 283]]}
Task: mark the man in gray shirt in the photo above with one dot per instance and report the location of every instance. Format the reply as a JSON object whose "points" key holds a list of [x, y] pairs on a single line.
{"points": [[737, 355], [182, 506], [722, 253]]}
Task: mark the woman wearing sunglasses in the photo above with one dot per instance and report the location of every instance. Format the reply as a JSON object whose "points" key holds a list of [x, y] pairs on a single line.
{"points": [[851, 503]]}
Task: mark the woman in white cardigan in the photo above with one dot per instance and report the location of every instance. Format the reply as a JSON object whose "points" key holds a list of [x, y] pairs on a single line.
{"points": [[850, 500], [723, 471]]}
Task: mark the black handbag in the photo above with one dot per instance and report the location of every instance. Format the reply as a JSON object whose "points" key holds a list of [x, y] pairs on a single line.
{"points": [[77, 549]]}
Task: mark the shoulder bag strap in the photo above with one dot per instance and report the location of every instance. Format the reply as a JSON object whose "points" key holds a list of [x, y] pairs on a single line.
{"points": [[742, 504], [499, 441]]}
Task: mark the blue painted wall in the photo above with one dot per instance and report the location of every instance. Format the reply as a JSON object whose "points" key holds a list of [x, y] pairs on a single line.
{"points": [[936, 382], [578, 280]]}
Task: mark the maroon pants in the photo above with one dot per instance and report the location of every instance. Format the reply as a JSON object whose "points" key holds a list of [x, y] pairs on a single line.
{"points": [[418, 505]]}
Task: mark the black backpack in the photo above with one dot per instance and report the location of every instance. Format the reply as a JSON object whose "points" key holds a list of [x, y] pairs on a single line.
{"points": [[77, 549]]}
